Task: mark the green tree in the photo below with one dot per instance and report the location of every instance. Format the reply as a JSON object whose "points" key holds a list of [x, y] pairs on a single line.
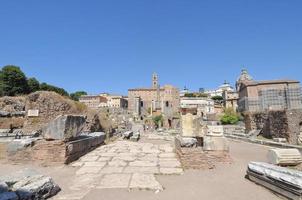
{"points": [[229, 116], [189, 95], [13, 81], [33, 84], [47, 87], [158, 120], [217, 98], [201, 95], [76, 95]]}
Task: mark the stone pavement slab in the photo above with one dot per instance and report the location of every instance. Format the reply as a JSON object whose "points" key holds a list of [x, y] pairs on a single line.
{"points": [[145, 181], [125, 164], [114, 181]]}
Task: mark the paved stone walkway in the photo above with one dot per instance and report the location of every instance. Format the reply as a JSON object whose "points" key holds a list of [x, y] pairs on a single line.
{"points": [[123, 164]]}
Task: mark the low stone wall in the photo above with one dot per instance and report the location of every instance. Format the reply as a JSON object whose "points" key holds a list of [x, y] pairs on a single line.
{"points": [[78, 148], [276, 124], [56, 152]]}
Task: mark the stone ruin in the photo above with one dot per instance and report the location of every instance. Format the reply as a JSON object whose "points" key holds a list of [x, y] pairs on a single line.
{"points": [[211, 137], [285, 124], [27, 185], [62, 142], [48, 128]]}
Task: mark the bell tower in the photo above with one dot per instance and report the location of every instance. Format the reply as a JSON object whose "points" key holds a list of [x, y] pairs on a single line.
{"points": [[154, 81]]}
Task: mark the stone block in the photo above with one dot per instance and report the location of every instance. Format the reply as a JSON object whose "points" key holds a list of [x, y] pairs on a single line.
{"points": [[127, 134], [211, 143], [188, 142], [135, 137], [36, 187], [284, 157], [64, 127], [33, 113], [215, 130]]}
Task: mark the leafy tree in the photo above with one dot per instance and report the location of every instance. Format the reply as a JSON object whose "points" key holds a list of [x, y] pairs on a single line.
{"points": [[189, 95], [201, 95], [229, 117], [13, 81], [33, 84], [217, 98], [76, 95], [47, 87]]}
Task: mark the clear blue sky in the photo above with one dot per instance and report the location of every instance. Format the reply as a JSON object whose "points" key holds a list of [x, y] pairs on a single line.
{"points": [[113, 45]]}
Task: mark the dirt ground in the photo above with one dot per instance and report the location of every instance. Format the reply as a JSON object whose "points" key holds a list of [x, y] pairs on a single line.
{"points": [[226, 181]]}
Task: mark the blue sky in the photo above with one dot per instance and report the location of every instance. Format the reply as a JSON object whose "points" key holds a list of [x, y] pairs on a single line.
{"points": [[113, 45]]}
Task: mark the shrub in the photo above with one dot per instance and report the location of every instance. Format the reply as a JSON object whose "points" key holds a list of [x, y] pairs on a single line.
{"points": [[229, 117]]}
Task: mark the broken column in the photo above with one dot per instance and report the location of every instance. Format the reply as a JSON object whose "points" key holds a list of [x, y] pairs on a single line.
{"points": [[284, 181], [284, 157], [215, 140]]}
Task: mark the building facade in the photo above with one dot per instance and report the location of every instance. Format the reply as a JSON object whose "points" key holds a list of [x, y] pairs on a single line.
{"points": [[197, 106], [156, 99], [104, 100], [257, 96], [219, 91]]}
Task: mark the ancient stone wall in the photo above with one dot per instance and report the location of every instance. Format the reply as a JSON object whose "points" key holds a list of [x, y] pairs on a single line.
{"points": [[276, 124]]}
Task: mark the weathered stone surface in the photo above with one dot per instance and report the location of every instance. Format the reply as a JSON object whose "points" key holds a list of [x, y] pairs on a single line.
{"points": [[284, 157], [188, 142], [144, 170], [88, 170], [145, 181], [167, 155], [95, 164], [211, 143], [135, 137], [127, 134], [111, 170], [89, 158], [36, 187], [8, 196], [115, 181], [276, 124], [20, 144], [171, 171], [143, 164], [169, 163], [191, 126], [65, 127], [214, 130], [281, 180]]}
